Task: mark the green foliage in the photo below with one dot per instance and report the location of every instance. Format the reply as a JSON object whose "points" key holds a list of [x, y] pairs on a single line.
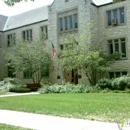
{"points": [[108, 107], [106, 90], [32, 57], [10, 127], [13, 2], [67, 88], [121, 83], [8, 83], [87, 56], [116, 84], [19, 89], [104, 83]]}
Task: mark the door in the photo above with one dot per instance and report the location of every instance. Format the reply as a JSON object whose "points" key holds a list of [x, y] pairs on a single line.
{"points": [[71, 76]]}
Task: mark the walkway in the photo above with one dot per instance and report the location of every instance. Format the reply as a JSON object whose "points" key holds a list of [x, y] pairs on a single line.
{"points": [[45, 122], [18, 94]]}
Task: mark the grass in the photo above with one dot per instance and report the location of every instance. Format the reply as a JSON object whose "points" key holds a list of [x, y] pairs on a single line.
{"points": [[10, 127], [2, 93], [94, 106]]}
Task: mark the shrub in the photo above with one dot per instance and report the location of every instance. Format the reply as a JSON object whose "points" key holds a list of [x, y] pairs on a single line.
{"points": [[8, 83], [4, 87], [106, 90], [66, 88], [121, 83], [104, 83], [20, 89]]}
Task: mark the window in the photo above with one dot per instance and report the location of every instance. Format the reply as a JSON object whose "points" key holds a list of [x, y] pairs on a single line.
{"points": [[66, 23], [117, 74], [27, 35], [66, 0], [115, 17], [61, 47], [27, 74], [117, 45], [10, 39], [75, 20], [44, 32], [11, 72], [68, 20], [45, 73], [61, 24], [71, 22]]}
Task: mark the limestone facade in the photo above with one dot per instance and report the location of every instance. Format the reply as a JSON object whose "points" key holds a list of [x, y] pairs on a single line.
{"points": [[86, 12]]}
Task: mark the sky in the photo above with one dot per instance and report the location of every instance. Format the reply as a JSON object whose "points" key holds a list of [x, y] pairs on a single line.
{"points": [[21, 7]]}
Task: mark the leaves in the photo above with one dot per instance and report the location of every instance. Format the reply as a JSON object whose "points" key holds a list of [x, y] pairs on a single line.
{"points": [[88, 55], [29, 56], [13, 2]]}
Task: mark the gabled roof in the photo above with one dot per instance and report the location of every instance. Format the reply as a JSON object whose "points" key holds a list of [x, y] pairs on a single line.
{"points": [[33, 16], [101, 2], [3, 20], [29, 17]]}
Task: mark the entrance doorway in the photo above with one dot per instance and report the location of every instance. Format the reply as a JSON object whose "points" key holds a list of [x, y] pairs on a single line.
{"points": [[71, 76]]}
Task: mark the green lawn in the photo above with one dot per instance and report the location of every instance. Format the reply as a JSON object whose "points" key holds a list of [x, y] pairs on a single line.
{"points": [[95, 106], [9, 127], [2, 93]]}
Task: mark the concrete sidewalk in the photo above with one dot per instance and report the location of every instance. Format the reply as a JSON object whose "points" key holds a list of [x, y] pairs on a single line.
{"points": [[17, 94], [44, 122]]}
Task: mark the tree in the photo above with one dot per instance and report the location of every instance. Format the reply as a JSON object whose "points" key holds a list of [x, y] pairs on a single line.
{"points": [[86, 54], [29, 56], [12, 2]]}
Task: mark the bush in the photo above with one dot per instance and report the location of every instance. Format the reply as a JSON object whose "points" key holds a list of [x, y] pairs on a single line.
{"points": [[66, 88], [104, 83], [5, 86], [121, 83], [20, 89], [8, 83]]}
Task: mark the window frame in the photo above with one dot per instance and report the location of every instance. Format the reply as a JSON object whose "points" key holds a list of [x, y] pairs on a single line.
{"points": [[115, 72], [11, 39], [118, 21], [113, 47], [44, 32], [69, 15], [27, 35]]}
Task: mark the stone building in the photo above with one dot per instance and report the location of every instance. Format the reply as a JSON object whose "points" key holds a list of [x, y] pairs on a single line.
{"points": [[65, 17]]}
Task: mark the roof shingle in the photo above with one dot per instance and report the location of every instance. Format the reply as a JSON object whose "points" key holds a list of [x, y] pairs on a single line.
{"points": [[3, 20], [29, 17]]}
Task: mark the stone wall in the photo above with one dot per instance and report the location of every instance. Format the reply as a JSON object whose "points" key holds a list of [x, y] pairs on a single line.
{"points": [[57, 38], [87, 13], [116, 32], [18, 34]]}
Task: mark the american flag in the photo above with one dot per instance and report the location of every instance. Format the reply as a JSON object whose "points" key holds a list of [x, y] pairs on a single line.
{"points": [[53, 50]]}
